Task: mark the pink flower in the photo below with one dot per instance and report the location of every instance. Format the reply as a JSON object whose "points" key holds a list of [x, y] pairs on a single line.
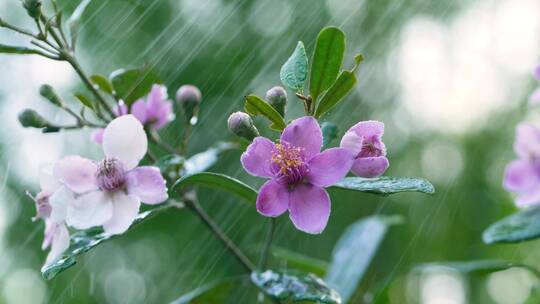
{"points": [[56, 233], [364, 141], [154, 112], [522, 175], [298, 174], [109, 192], [534, 99]]}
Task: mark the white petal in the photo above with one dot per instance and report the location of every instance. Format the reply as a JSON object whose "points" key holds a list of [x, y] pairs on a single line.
{"points": [[47, 181], [78, 173], [124, 139], [126, 208], [59, 202], [90, 210], [60, 243]]}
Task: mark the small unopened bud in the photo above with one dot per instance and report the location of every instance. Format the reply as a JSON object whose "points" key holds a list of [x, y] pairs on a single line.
{"points": [[277, 98], [242, 125], [33, 8], [31, 119], [189, 97], [48, 92]]}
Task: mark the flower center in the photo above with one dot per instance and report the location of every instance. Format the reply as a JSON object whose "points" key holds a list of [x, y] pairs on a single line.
{"points": [[289, 163], [111, 175], [371, 149], [43, 208]]}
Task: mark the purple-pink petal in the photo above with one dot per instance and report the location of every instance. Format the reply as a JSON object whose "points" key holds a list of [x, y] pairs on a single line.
{"points": [[309, 208], [368, 128], [305, 133], [534, 99], [256, 160], [370, 166], [520, 176], [97, 136], [537, 73], [352, 142], [527, 142], [531, 197], [138, 109], [77, 173], [147, 184], [329, 166], [273, 199]]}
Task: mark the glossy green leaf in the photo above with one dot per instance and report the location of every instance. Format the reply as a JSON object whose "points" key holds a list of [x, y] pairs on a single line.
{"points": [[330, 132], [385, 185], [478, 267], [204, 160], [295, 287], [215, 292], [299, 261], [85, 100], [218, 181], [102, 83], [257, 106], [354, 252], [74, 20], [130, 85], [9, 49], [327, 60], [521, 226], [84, 240], [341, 87], [293, 73]]}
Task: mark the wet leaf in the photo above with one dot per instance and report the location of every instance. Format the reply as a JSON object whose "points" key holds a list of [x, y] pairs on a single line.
{"points": [[327, 60], [102, 83], [385, 185], [85, 100], [218, 181], [215, 292], [300, 261], [9, 49], [257, 106], [130, 85], [204, 160], [293, 73], [82, 241], [74, 20], [521, 226], [295, 286], [354, 252], [330, 132], [478, 267], [341, 87]]}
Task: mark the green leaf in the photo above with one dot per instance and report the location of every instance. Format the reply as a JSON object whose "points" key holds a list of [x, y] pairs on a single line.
{"points": [[330, 132], [295, 287], [521, 226], [480, 267], [327, 60], [219, 181], [82, 241], [85, 100], [75, 20], [130, 85], [215, 292], [293, 73], [102, 83], [9, 49], [257, 106], [299, 261], [354, 252], [203, 161], [343, 86], [385, 185]]}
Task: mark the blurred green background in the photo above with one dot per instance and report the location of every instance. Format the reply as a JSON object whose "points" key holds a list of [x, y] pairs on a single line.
{"points": [[449, 78]]}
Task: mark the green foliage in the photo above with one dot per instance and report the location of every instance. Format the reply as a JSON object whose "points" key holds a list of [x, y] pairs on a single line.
{"points": [[9, 49], [293, 73], [385, 185], [330, 132], [202, 161], [521, 226], [48, 92], [300, 261], [343, 86], [327, 60], [480, 267], [354, 251], [257, 106], [218, 181], [215, 292], [130, 85], [75, 20], [295, 287], [102, 83], [86, 101]]}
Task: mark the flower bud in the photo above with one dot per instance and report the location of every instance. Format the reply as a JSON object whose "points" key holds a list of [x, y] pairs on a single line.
{"points": [[33, 8], [242, 125], [277, 97], [189, 97], [48, 92], [31, 119]]}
